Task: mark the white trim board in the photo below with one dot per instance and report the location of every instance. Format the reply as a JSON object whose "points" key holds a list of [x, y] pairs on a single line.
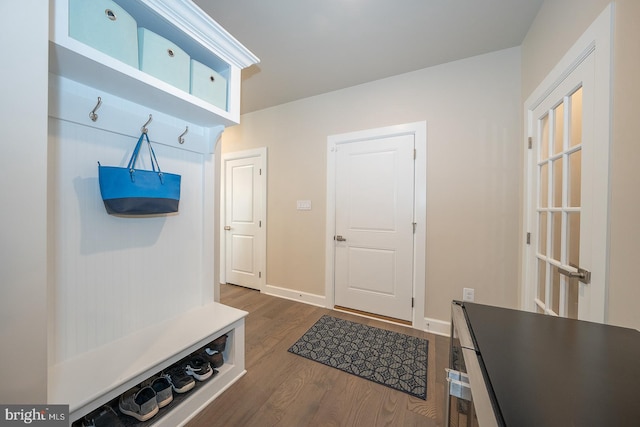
{"points": [[299, 296], [437, 327], [419, 130]]}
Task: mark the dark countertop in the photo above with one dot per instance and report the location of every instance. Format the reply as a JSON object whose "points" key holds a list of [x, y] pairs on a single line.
{"points": [[546, 371]]}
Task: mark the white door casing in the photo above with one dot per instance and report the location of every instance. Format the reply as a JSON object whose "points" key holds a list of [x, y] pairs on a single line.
{"points": [[244, 218], [359, 170], [587, 66]]}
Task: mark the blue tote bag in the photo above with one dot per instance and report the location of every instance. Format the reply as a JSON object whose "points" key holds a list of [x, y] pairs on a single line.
{"points": [[131, 191]]}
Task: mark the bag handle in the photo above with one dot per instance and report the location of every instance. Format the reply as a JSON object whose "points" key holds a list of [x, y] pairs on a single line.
{"points": [[152, 156]]}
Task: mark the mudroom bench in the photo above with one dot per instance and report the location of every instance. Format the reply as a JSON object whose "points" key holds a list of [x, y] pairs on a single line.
{"points": [[131, 296], [92, 379]]}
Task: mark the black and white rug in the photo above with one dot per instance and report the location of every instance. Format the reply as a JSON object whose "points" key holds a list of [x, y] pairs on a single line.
{"points": [[389, 358]]}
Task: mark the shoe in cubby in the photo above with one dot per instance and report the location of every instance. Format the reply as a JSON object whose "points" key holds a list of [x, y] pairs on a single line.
{"points": [[216, 359], [104, 416], [179, 379], [162, 386], [219, 344], [139, 403], [198, 367]]}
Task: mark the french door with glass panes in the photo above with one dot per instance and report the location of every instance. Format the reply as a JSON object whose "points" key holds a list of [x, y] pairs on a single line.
{"points": [[562, 205], [568, 122]]}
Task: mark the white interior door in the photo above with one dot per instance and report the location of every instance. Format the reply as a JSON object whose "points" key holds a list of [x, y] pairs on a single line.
{"points": [[374, 191], [567, 274], [243, 225]]}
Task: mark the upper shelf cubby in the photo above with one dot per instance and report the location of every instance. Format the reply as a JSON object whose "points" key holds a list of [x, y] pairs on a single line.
{"points": [[179, 21]]}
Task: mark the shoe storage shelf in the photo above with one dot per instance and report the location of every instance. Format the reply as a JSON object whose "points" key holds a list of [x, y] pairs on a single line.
{"points": [[95, 378]]}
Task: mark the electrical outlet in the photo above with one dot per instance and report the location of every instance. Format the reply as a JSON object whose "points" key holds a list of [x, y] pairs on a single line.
{"points": [[468, 294]]}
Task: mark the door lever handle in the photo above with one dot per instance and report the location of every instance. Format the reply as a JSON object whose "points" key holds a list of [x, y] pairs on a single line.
{"points": [[340, 238], [583, 275]]}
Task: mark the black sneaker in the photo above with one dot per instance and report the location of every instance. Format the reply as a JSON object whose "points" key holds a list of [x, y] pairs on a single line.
{"points": [[179, 379], [198, 367]]}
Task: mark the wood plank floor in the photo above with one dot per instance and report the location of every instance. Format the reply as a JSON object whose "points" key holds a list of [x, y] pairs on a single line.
{"points": [[283, 389]]}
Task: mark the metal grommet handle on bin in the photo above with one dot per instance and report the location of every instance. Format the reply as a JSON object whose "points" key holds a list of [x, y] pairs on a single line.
{"points": [[213, 79], [112, 16], [170, 52]]}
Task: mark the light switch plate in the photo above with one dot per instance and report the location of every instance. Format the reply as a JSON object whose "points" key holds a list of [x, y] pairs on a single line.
{"points": [[303, 205]]}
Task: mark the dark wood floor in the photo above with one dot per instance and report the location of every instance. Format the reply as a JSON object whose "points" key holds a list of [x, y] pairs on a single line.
{"points": [[283, 389]]}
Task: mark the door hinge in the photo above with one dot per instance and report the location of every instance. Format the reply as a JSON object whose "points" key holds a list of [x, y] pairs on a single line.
{"points": [[528, 238], [260, 224], [411, 302], [530, 143], [415, 154], [259, 274], [415, 224]]}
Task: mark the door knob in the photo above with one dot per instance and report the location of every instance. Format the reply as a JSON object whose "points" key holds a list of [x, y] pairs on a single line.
{"points": [[227, 228], [583, 275], [340, 238]]}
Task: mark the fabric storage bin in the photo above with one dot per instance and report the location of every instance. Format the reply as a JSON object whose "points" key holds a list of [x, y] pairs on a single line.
{"points": [[161, 58], [105, 26], [208, 85]]}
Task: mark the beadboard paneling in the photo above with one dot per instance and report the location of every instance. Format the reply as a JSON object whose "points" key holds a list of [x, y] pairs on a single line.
{"points": [[115, 275]]}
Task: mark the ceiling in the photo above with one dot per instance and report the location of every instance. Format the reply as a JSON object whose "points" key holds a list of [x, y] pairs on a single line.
{"points": [[309, 47]]}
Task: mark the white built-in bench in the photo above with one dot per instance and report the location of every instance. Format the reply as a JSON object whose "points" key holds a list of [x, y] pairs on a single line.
{"points": [[92, 379]]}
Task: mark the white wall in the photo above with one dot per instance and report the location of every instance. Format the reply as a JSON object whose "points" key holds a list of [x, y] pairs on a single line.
{"points": [[472, 112], [23, 229]]}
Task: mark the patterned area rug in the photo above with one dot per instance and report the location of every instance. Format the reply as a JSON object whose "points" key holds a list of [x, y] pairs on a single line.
{"points": [[389, 358]]}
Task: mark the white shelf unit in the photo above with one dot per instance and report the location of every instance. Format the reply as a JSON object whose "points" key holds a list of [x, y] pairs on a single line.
{"points": [[101, 344], [180, 21]]}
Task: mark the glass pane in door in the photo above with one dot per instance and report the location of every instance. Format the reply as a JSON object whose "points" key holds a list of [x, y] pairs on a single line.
{"points": [[573, 259], [556, 236], [573, 239], [558, 126], [544, 185], [542, 230], [575, 177], [558, 183], [544, 138], [575, 138], [542, 280], [555, 286]]}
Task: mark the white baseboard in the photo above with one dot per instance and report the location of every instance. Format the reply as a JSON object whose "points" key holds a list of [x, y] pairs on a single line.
{"points": [[299, 296], [437, 327], [433, 326]]}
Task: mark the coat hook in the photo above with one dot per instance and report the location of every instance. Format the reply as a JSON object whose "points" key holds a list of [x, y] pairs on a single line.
{"points": [[144, 129], [181, 137], [92, 115]]}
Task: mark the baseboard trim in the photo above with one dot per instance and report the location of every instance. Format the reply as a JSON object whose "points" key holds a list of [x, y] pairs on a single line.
{"points": [[437, 327], [433, 326], [305, 297]]}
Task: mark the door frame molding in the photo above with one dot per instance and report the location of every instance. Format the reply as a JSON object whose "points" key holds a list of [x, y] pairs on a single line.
{"points": [[262, 235], [596, 40], [419, 130]]}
